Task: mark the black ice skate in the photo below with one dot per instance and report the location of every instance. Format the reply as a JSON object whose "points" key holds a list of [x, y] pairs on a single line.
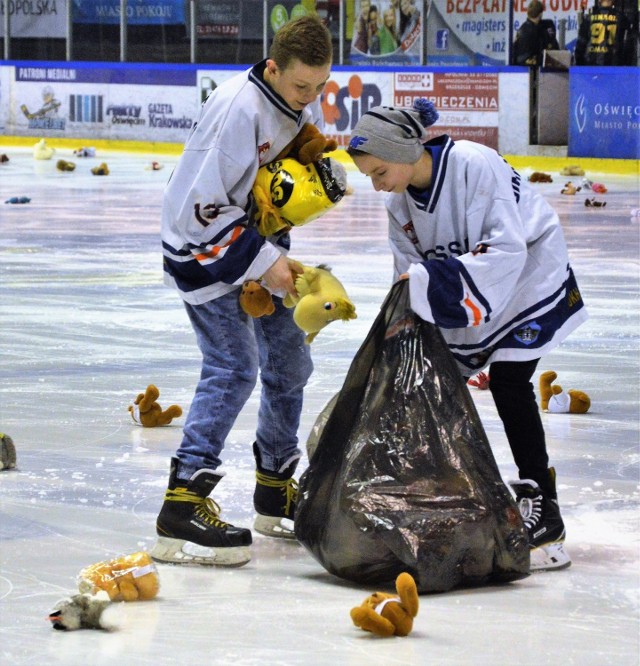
{"points": [[189, 527], [541, 515], [274, 498]]}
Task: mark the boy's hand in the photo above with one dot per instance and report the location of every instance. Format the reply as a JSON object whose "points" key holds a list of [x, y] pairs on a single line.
{"points": [[278, 278]]}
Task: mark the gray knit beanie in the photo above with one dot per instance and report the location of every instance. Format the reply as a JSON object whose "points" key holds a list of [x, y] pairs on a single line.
{"points": [[394, 135]]}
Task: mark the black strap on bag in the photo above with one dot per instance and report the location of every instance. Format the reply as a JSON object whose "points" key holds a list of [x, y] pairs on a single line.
{"points": [[403, 477]]}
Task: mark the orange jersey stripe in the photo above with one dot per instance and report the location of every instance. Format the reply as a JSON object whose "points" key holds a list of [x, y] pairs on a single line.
{"points": [[474, 309], [211, 254]]}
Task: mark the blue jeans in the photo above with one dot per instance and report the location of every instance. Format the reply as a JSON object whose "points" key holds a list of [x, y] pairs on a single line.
{"points": [[234, 346]]}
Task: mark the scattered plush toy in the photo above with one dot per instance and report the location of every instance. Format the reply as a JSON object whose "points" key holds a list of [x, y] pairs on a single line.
{"points": [[555, 400], [85, 152], [289, 194], [146, 412], [540, 177], [63, 165], [599, 188], [18, 200], [570, 188], [83, 611], [593, 203], [7, 452], [480, 381], [572, 170], [41, 151], [388, 614], [128, 578], [308, 145], [3, 158], [100, 170], [154, 166]]}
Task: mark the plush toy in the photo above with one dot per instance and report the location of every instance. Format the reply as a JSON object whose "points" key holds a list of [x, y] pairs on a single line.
{"points": [[321, 299], [101, 170], [289, 194], [255, 300], [308, 145], [146, 412], [540, 177], [388, 614], [570, 188], [64, 165], [41, 151], [555, 400], [593, 203], [128, 578], [7, 452], [480, 381], [83, 611], [572, 170]]}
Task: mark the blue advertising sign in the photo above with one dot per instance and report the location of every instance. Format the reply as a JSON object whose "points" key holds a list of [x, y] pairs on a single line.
{"points": [[604, 112], [139, 12]]}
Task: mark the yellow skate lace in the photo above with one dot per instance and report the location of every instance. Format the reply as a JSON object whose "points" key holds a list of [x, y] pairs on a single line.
{"points": [[206, 508], [289, 487]]}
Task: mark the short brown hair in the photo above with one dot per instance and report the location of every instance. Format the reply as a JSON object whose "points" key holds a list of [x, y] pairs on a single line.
{"points": [[534, 9], [306, 39]]}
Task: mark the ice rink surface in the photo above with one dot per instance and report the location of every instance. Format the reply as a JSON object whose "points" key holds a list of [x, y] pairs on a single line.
{"points": [[87, 324]]}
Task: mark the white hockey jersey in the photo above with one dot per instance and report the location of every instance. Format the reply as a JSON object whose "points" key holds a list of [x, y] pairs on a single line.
{"points": [[209, 245], [486, 257]]}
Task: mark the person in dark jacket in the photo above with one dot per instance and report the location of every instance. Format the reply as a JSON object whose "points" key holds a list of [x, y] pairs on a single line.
{"points": [[535, 36], [604, 37]]}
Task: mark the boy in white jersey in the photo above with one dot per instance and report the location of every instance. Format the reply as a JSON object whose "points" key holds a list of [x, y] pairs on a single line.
{"points": [[210, 248], [487, 263]]}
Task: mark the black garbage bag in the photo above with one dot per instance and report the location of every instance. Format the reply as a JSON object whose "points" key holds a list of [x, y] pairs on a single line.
{"points": [[402, 477]]}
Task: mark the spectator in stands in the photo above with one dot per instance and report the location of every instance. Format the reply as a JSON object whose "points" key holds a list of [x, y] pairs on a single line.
{"points": [[535, 36], [604, 37]]}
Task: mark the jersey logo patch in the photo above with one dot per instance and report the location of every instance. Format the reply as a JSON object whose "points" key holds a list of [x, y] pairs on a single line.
{"points": [[528, 334]]}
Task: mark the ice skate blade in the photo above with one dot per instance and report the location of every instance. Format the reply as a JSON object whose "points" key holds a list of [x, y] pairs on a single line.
{"points": [[272, 526], [177, 551], [550, 557]]}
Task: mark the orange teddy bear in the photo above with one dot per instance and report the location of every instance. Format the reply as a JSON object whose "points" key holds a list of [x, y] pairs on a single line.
{"points": [[389, 614], [146, 412]]}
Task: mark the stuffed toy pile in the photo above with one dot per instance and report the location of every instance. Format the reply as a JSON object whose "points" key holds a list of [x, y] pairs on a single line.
{"points": [[389, 614], [555, 400], [146, 412], [128, 578], [321, 299], [7, 452]]}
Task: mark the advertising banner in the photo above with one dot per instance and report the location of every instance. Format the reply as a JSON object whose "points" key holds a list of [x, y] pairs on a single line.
{"points": [[135, 104], [476, 32], [604, 112], [35, 18], [467, 102], [139, 12], [387, 32]]}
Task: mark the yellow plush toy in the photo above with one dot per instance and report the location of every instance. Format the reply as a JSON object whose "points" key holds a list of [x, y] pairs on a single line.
{"points": [[555, 400], [146, 412], [289, 194], [308, 145], [389, 614], [128, 578], [321, 299]]}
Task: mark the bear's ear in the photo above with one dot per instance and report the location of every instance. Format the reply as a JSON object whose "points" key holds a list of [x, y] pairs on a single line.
{"points": [[369, 620]]}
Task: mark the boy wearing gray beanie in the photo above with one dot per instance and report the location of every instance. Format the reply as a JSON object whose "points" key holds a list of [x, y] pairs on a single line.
{"points": [[487, 263]]}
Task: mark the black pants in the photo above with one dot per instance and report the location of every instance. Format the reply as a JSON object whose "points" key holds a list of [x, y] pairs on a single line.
{"points": [[512, 391]]}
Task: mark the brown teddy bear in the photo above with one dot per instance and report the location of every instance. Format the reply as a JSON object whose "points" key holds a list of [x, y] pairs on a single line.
{"points": [[308, 145], [540, 177], [128, 578], [146, 412], [555, 400], [388, 614], [255, 300]]}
